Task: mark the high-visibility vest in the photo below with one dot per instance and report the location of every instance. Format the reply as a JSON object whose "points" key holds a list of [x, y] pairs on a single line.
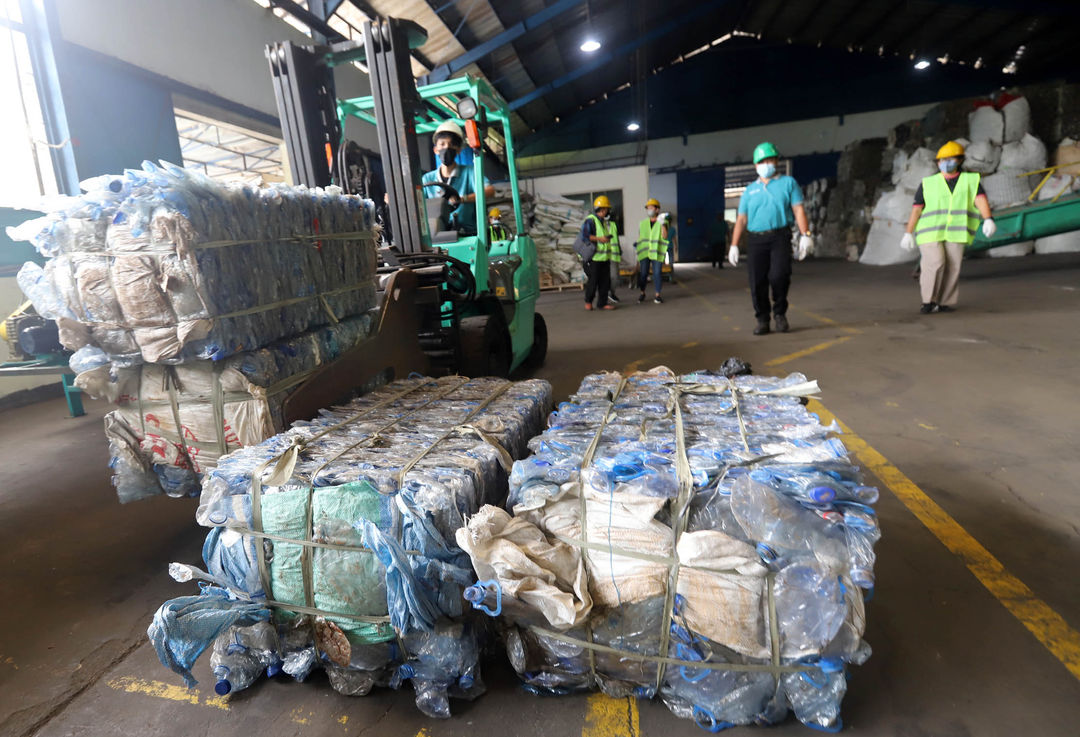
{"points": [[497, 233], [651, 242], [609, 251], [948, 216]]}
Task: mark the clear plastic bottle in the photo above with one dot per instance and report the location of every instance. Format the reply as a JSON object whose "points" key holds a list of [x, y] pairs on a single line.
{"points": [[783, 527], [242, 654]]}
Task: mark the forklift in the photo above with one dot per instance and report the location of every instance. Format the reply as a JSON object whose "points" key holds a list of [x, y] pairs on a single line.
{"points": [[452, 301]]}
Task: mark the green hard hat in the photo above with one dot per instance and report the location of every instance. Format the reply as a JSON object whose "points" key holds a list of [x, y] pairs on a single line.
{"points": [[764, 151]]}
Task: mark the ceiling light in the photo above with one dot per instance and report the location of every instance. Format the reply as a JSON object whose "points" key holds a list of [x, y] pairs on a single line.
{"points": [[590, 45], [922, 64], [632, 127]]}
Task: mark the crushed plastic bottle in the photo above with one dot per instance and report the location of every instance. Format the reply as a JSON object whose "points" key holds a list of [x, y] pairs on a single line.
{"points": [[242, 654]]}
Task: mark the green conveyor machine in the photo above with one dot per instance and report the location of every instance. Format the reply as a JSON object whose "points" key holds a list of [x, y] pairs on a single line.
{"points": [[1035, 218]]}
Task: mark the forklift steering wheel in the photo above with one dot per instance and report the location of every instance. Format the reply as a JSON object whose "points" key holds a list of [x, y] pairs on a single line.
{"points": [[449, 193]]}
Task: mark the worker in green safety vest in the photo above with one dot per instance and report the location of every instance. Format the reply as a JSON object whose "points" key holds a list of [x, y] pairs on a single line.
{"points": [[599, 229], [496, 230], [652, 246], [943, 222]]}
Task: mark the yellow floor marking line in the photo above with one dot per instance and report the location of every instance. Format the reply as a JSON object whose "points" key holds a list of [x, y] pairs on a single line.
{"points": [[608, 717], [1049, 627], [691, 344], [169, 691], [697, 295], [924, 426], [807, 351], [829, 321]]}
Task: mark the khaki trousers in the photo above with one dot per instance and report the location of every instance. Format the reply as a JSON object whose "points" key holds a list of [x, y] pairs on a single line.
{"points": [[939, 281]]}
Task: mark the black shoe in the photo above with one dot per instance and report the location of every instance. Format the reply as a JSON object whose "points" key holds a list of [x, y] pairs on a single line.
{"points": [[657, 300], [781, 323], [762, 328], [928, 307], [613, 299], [945, 308], [641, 298]]}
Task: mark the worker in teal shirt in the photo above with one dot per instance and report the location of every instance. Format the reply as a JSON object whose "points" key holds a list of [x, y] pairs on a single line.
{"points": [[766, 210], [446, 144]]}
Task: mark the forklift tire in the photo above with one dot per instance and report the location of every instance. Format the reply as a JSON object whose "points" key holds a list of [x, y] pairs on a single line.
{"points": [[485, 346], [538, 353]]}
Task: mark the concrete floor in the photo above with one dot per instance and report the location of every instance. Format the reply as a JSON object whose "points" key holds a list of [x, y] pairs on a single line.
{"points": [[978, 408]]}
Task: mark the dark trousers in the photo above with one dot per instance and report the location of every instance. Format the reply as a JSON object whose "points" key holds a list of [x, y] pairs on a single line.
{"points": [[769, 258], [718, 254], [646, 265], [599, 280]]}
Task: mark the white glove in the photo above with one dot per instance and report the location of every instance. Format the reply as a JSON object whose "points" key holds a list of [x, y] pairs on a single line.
{"points": [[907, 242], [806, 245], [733, 255], [989, 227], [664, 217]]}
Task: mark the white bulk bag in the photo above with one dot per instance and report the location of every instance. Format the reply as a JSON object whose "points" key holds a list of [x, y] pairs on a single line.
{"points": [[986, 124]]}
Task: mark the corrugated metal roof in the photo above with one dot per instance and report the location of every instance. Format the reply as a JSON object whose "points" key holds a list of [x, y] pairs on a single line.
{"points": [[984, 32]]}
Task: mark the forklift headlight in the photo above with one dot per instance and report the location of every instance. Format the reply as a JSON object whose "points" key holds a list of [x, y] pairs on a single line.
{"points": [[467, 108]]}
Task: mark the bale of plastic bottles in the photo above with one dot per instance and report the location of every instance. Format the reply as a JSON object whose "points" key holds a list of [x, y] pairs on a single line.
{"points": [[163, 264], [333, 544], [701, 539], [173, 422]]}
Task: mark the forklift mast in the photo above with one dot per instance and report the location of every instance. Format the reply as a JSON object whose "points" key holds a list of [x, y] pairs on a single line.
{"points": [[303, 79]]}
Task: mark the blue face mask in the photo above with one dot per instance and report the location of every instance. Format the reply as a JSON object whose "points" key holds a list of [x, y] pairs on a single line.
{"points": [[766, 171], [948, 166]]}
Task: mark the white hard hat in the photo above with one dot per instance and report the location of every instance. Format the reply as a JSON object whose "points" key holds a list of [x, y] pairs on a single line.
{"points": [[449, 126]]}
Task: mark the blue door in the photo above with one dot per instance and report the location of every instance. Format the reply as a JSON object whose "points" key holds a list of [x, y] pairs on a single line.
{"points": [[701, 196]]}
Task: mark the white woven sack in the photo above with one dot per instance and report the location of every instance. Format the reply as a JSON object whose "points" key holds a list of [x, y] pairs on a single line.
{"points": [[1059, 184], [1060, 243], [986, 124], [883, 245], [919, 165], [1012, 250], [1017, 115], [982, 157], [1006, 188], [1027, 154], [895, 205]]}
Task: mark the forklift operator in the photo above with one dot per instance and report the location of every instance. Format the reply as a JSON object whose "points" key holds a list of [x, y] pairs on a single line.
{"points": [[446, 143]]}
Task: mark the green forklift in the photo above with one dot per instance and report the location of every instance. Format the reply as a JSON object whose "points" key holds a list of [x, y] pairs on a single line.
{"points": [[475, 299]]}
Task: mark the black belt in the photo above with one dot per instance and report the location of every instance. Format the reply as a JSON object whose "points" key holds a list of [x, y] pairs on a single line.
{"points": [[770, 232]]}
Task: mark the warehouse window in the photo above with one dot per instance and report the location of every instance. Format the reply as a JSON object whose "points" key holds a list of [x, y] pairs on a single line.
{"points": [[615, 195], [24, 148], [228, 151]]}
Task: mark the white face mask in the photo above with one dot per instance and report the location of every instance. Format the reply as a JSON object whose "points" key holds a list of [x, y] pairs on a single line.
{"points": [[766, 171], [651, 211], [494, 221]]}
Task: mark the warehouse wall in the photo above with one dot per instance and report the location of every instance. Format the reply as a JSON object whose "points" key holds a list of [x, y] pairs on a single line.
{"points": [[665, 187], [816, 135], [632, 180]]}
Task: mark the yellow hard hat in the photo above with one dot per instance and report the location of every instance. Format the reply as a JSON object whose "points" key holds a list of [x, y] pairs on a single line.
{"points": [[601, 201], [950, 150], [494, 213], [652, 202]]}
